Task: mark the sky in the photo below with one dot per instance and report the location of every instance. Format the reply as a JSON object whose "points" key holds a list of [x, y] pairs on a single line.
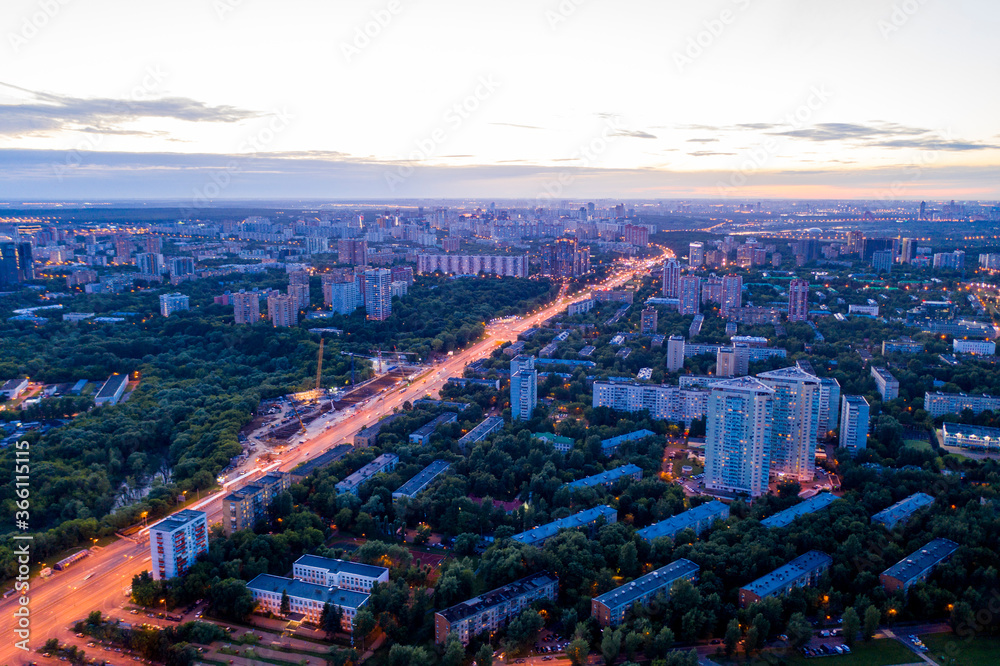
{"points": [[548, 99]]}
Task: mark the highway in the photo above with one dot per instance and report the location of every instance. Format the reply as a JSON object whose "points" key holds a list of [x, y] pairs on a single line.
{"points": [[99, 582]]}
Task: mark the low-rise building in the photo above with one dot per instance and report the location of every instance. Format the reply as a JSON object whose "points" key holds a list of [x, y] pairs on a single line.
{"points": [[383, 464], [489, 425], [976, 347], [803, 571], [609, 608], [938, 404], [537, 536], [559, 443], [901, 346], [971, 436], [608, 478], [811, 505], [306, 599], [902, 511], [609, 447], [699, 519], [368, 436], [422, 435], [13, 388], [242, 509], [422, 479], [489, 612], [917, 566], [330, 572], [112, 390]]}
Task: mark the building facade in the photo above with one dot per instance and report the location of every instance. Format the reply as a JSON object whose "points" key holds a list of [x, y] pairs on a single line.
{"points": [[738, 437], [794, 422], [176, 542], [803, 571], [854, 416], [609, 608], [242, 509], [489, 612]]}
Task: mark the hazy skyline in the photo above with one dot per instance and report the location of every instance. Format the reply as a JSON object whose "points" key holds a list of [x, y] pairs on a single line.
{"points": [[255, 98]]}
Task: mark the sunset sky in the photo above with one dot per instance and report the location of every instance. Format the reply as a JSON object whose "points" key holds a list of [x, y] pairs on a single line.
{"points": [[465, 98]]}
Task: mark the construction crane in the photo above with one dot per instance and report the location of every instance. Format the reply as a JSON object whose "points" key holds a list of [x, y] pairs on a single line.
{"points": [[315, 393]]}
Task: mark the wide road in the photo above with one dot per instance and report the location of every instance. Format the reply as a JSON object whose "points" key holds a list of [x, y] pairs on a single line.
{"points": [[100, 581]]}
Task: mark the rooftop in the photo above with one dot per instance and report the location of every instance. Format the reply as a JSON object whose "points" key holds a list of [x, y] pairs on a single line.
{"points": [[681, 521], [789, 573], [662, 577], [112, 385], [811, 505], [793, 373], [537, 535], [746, 384], [336, 566], [429, 428], [179, 520], [498, 596], [902, 509], [920, 561], [608, 476], [628, 437], [303, 590], [421, 479]]}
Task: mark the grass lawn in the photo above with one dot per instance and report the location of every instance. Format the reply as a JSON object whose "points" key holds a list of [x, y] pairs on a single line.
{"points": [[884, 652], [920, 444], [980, 651]]}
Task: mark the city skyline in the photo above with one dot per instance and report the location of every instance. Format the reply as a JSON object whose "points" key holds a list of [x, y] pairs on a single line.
{"points": [[226, 100]]}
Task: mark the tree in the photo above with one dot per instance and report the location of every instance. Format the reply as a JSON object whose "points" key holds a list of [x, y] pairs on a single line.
{"points": [[633, 641], [732, 638], [628, 560], [872, 618], [454, 651], [364, 624], [484, 657], [611, 645], [578, 651], [799, 630], [852, 623], [286, 603]]}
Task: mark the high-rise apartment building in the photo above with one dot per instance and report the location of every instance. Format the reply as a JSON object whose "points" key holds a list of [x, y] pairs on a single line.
{"points": [[675, 353], [563, 259], [732, 294], [649, 321], [352, 251], [798, 300], [794, 423], [175, 543], [671, 279], [242, 509], [300, 294], [854, 415], [378, 294], [738, 437], [690, 295], [16, 263], [282, 310], [246, 307], [523, 387], [149, 263], [696, 254]]}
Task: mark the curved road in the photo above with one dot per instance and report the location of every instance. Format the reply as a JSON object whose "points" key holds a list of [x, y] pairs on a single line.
{"points": [[100, 581]]}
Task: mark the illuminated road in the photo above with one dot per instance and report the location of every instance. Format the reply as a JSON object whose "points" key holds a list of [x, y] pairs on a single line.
{"points": [[99, 581]]}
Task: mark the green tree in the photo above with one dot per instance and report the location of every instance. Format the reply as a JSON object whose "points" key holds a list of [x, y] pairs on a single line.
{"points": [[872, 619], [578, 651], [484, 657], [851, 626], [733, 635], [799, 630], [454, 651], [611, 645], [286, 603], [364, 624]]}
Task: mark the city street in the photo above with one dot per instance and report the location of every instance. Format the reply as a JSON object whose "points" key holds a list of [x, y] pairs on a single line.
{"points": [[99, 582]]}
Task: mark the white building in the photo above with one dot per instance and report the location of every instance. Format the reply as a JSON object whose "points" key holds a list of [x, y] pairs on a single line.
{"points": [[738, 437], [171, 303], [384, 463], [330, 572], [675, 353], [978, 347], [176, 542], [665, 403], [307, 599], [501, 264], [829, 406], [13, 388], [854, 415], [671, 279], [938, 404], [523, 387], [888, 386], [794, 422]]}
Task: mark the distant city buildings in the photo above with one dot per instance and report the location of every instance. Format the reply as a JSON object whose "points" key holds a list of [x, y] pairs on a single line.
{"points": [[246, 307], [671, 279], [696, 254], [564, 260], [352, 251], [675, 353], [648, 321], [938, 404], [282, 310], [732, 294], [453, 264]]}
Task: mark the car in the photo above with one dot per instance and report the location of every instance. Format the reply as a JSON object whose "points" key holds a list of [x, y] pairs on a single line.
{"points": [[79, 635], [847, 650], [839, 649], [134, 612]]}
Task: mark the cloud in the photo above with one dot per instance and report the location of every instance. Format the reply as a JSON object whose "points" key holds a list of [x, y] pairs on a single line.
{"points": [[702, 140], [531, 127], [44, 113], [883, 135], [707, 153]]}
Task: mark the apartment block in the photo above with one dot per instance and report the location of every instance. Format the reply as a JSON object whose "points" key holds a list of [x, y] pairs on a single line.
{"points": [[609, 608], [803, 571], [699, 519], [385, 463], [242, 509], [917, 566], [489, 612], [537, 536], [330, 572], [175, 543]]}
